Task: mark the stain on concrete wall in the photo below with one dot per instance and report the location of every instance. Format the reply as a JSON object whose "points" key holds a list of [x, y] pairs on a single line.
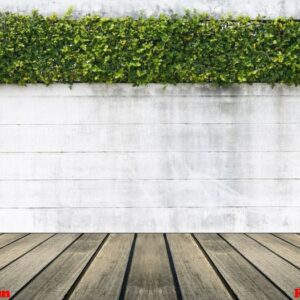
{"points": [[117, 158]]}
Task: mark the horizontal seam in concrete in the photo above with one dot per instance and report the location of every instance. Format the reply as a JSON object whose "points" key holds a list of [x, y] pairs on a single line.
{"points": [[145, 179], [175, 95], [154, 207], [151, 151], [145, 124]]}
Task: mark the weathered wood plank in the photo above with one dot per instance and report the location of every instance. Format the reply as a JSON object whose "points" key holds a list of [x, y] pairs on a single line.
{"points": [[284, 249], [282, 273], [196, 276], [246, 282], [150, 274], [149, 165], [56, 280], [19, 273], [6, 239], [13, 251], [289, 237], [105, 275]]}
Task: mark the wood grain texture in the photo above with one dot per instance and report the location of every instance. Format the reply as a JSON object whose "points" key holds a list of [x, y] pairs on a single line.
{"points": [[56, 280], [109, 265], [203, 266], [150, 274], [19, 273], [289, 252], [6, 239], [13, 251], [282, 273], [291, 238], [196, 277], [246, 282]]}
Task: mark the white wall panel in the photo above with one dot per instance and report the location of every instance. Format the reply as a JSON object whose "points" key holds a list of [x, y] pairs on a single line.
{"points": [[122, 158], [121, 104], [153, 165], [149, 193], [151, 219], [149, 137]]}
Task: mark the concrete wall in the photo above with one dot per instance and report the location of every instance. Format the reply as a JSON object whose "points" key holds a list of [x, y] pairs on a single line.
{"points": [[115, 158], [268, 8]]}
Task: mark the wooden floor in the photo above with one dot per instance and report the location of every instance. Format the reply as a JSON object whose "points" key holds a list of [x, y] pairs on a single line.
{"points": [[150, 266]]}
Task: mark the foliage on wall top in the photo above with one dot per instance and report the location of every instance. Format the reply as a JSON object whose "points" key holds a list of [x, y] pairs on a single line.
{"points": [[193, 48]]}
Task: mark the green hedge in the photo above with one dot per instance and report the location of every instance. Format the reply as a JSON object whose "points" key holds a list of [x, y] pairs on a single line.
{"points": [[193, 48]]}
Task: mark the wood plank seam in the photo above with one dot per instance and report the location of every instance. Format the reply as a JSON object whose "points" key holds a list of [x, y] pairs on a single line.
{"points": [[76, 282], [246, 281], [289, 262], [27, 252], [285, 240], [14, 240], [214, 267], [46, 266], [128, 266], [127, 269], [150, 275], [110, 266], [173, 269], [254, 266]]}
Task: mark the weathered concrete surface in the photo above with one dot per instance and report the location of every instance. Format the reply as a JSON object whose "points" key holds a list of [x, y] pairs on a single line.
{"points": [[225, 219], [253, 8], [117, 158]]}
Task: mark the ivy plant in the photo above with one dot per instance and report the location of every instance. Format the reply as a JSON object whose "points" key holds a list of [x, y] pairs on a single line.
{"points": [[193, 48]]}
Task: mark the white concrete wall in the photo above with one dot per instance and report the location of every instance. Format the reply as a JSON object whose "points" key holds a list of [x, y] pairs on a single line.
{"points": [[253, 8], [114, 158]]}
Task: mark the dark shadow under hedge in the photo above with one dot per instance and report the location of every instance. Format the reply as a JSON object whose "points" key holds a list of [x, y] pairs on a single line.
{"points": [[167, 49]]}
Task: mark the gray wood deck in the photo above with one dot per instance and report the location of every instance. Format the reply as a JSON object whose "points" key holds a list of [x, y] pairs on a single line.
{"points": [[150, 266]]}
